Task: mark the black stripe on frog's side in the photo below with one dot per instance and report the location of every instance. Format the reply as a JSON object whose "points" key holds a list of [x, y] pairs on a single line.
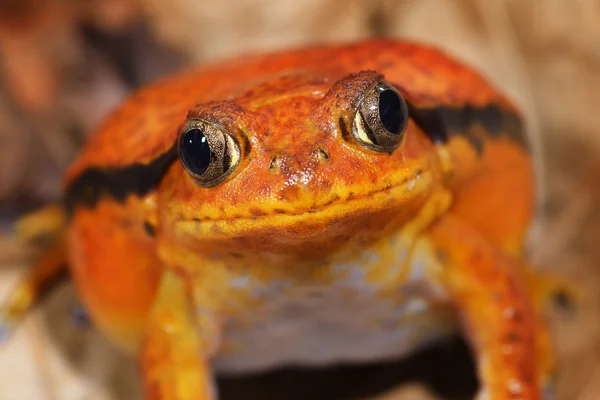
{"points": [[440, 123], [96, 183]]}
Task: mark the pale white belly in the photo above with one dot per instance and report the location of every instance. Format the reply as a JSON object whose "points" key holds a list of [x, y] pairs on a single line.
{"points": [[349, 321]]}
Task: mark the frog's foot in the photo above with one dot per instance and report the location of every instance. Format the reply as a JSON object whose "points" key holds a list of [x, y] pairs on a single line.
{"points": [[43, 226], [48, 269], [170, 356], [554, 291], [513, 353]]}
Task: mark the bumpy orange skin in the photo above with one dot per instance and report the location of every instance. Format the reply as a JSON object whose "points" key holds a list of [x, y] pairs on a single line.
{"points": [[290, 105]]}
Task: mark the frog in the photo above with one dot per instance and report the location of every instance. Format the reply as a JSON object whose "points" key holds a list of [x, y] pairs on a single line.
{"points": [[331, 203]]}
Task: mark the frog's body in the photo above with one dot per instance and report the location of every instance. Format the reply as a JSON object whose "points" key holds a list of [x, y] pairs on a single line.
{"points": [[311, 247]]}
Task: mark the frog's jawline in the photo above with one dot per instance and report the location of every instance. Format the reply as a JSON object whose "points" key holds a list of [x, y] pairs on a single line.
{"points": [[314, 211], [440, 123]]}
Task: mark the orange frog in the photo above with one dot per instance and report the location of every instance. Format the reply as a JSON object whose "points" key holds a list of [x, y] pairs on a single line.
{"points": [[349, 202]]}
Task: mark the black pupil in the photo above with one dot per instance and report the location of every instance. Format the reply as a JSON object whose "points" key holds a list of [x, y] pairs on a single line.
{"points": [[391, 111], [195, 151]]}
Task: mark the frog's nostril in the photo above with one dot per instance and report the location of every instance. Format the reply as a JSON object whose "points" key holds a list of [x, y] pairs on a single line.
{"points": [[322, 155], [275, 165]]}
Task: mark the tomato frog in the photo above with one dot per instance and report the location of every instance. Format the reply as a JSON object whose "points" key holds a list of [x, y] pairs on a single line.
{"points": [[342, 202]]}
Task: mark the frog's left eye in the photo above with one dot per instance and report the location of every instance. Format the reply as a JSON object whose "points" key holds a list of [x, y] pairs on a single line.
{"points": [[381, 119], [207, 153]]}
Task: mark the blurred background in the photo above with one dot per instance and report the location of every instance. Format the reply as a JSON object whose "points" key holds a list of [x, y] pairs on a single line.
{"points": [[64, 64]]}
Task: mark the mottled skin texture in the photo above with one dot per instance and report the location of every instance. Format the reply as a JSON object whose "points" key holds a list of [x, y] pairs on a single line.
{"points": [[431, 234]]}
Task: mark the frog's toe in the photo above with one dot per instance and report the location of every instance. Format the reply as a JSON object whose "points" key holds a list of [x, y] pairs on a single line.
{"points": [[13, 310]]}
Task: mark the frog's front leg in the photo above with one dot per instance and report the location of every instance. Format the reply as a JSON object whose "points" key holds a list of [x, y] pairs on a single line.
{"points": [[174, 358], [489, 290]]}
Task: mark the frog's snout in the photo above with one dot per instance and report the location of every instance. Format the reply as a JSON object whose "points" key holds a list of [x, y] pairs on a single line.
{"points": [[284, 163], [300, 172]]}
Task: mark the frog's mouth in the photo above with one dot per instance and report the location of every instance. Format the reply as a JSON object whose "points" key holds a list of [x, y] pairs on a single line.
{"points": [[412, 190]]}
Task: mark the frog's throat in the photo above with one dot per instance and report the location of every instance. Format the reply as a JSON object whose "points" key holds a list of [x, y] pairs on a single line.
{"points": [[419, 185]]}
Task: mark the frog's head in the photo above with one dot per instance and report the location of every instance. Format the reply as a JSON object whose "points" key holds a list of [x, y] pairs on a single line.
{"points": [[299, 164]]}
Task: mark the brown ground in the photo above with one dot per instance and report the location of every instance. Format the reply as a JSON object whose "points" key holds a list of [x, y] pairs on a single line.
{"points": [[64, 64]]}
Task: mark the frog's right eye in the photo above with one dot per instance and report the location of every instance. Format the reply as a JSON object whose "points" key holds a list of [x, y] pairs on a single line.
{"points": [[381, 118], [207, 153]]}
